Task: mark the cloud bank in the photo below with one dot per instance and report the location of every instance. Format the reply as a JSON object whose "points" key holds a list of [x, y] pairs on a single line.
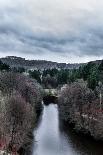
{"points": [[57, 30]]}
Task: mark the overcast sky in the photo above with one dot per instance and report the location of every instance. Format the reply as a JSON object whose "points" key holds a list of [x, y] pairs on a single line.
{"points": [[56, 30]]}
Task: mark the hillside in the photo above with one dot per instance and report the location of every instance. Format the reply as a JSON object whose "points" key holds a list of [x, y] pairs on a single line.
{"points": [[13, 61]]}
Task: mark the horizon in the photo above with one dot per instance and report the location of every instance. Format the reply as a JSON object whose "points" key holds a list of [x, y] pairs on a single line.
{"points": [[49, 60]]}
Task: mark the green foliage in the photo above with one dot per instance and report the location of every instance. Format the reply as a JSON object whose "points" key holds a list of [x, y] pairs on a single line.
{"points": [[3, 66], [101, 66], [91, 72], [51, 72], [62, 77], [35, 75], [93, 80], [19, 69]]}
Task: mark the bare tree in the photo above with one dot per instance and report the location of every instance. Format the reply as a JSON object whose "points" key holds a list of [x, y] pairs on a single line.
{"points": [[19, 116], [19, 97]]}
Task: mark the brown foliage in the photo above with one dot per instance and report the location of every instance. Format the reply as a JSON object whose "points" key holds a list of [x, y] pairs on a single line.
{"points": [[19, 97], [74, 98]]}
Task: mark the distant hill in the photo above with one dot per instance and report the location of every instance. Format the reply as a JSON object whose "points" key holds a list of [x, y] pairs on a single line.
{"points": [[98, 62], [17, 62]]}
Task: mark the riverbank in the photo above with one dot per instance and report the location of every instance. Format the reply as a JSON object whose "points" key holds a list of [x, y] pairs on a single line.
{"points": [[79, 106], [20, 99], [52, 137]]}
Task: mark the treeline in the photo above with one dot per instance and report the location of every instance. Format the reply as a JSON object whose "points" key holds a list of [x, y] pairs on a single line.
{"points": [[5, 67], [91, 72], [20, 97], [51, 78]]}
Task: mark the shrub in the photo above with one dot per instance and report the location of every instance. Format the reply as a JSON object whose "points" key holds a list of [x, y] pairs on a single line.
{"points": [[19, 98]]}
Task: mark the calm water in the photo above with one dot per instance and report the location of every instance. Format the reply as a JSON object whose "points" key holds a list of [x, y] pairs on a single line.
{"points": [[53, 139]]}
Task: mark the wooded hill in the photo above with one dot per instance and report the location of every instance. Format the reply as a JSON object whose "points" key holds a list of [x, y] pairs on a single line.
{"points": [[13, 61]]}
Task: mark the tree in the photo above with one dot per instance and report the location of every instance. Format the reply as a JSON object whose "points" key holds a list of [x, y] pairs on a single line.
{"points": [[19, 114], [93, 80], [4, 66], [20, 98], [36, 75], [101, 66], [49, 82], [100, 94], [62, 77], [73, 99]]}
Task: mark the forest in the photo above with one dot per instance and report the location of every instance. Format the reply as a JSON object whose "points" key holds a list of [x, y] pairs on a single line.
{"points": [[92, 73], [21, 92]]}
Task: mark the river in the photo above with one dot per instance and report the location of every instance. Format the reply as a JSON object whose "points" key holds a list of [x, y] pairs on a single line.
{"points": [[53, 139]]}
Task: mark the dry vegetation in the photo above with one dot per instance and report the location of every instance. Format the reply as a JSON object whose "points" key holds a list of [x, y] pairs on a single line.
{"points": [[80, 106], [20, 96]]}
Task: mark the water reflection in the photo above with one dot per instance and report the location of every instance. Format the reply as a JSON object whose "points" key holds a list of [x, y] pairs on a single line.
{"points": [[52, 138]]}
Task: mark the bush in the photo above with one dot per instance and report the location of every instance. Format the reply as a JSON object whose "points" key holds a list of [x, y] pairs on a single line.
{"points": [[20, 96], [73, 99]]}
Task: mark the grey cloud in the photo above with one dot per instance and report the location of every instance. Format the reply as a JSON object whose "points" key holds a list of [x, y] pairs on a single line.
{"points": [[20, 34]]}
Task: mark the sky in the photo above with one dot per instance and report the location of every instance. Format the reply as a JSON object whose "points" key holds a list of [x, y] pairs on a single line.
{"points": [[68, 31]]}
